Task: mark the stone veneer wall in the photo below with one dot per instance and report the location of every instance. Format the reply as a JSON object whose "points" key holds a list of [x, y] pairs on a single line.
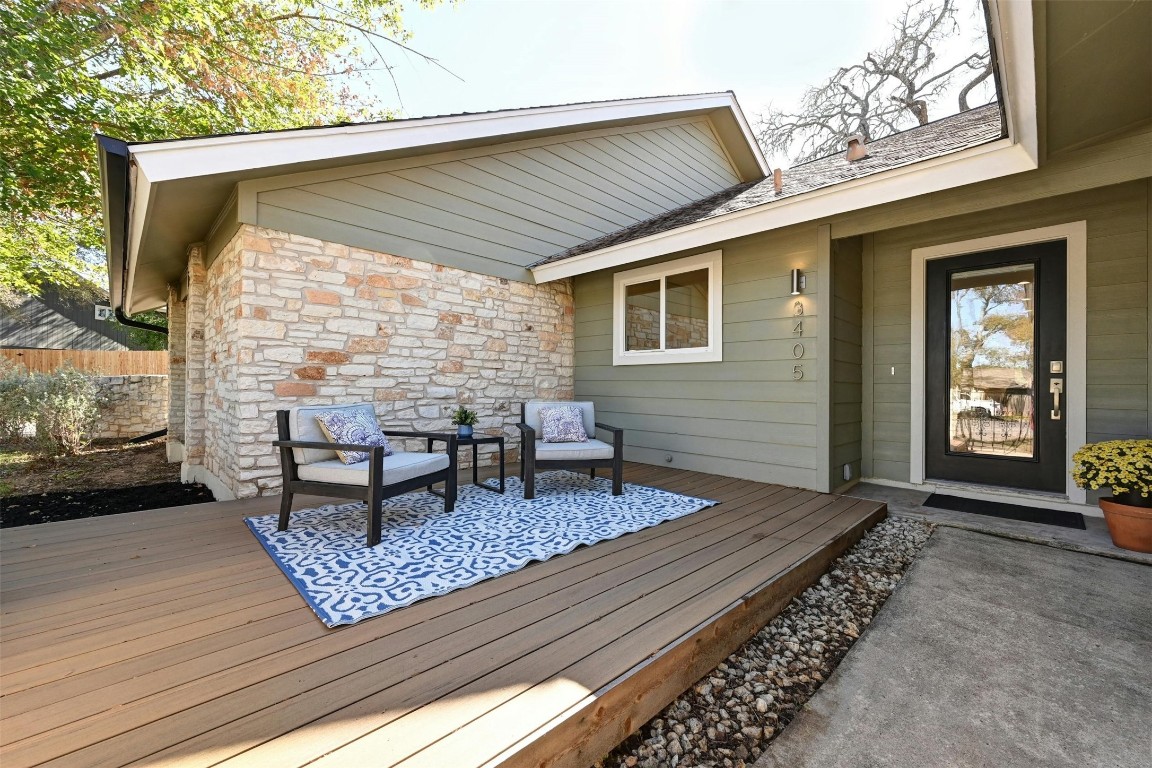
{"points": [[136, 405], [177, 363], [227, 374], [294, 321]]}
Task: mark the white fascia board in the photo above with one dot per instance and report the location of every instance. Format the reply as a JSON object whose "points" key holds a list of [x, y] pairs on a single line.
{"points": [[750, 137], [1012, 32], [988, 161], [140, 193], [227, 154]]}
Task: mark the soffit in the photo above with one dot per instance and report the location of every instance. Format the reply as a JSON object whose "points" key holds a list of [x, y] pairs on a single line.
{"points": [[1098, 58], [189, 181]]}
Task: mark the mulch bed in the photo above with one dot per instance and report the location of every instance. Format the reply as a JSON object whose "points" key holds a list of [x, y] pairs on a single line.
{"points": [[73, 505]]}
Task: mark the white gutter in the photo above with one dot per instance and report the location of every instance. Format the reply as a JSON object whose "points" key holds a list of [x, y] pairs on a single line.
{"points": [[139, 194]]}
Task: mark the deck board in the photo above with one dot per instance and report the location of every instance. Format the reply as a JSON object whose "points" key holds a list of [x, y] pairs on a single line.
{"points": [[170, 638]]}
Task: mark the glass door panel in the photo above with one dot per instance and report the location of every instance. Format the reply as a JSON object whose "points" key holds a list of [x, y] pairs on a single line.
{"points": [[991, 361]]}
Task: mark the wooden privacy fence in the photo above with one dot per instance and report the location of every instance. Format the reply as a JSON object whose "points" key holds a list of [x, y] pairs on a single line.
{"points": [[103, 362]]}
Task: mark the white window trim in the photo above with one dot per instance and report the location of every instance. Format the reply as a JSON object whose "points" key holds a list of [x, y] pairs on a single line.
{"points": [[711, 353]]}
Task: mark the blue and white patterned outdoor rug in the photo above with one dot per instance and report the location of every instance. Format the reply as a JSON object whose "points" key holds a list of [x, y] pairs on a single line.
{"points": [[425, 552]]}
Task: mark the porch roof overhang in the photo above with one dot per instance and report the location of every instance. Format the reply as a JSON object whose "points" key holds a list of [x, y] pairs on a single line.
{"points": [[159, 197], [1012, 37]]}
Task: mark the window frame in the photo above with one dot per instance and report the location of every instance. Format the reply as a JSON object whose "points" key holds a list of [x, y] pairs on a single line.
{"points": [[712, 261]]}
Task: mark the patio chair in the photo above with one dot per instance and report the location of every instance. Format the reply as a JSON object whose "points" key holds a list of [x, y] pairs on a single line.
{"points": [[591, 454], [310, 465]]}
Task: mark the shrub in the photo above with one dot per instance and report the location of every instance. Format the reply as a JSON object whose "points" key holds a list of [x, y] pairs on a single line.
{"points": [[67, 407], [16, 407], [63, 406]]}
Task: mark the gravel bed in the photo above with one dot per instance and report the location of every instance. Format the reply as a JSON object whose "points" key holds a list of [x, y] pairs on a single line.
{"points": [[728, 717]]}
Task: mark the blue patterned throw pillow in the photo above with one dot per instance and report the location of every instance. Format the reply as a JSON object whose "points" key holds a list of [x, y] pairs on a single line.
{"points": [[563, 424], [356, 426]]}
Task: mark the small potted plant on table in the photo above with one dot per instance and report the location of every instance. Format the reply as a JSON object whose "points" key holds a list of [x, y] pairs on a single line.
{"points": [[1125, 466], [464, 420]]}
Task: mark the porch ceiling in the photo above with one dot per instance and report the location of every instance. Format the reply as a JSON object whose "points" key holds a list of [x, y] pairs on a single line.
{"points": [[1099, 71]]}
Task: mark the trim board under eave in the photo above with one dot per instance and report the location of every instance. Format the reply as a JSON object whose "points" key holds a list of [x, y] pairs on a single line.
{"points": [[988, 161]]}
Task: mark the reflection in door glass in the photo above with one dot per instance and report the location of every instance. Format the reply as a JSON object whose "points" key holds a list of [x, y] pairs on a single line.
{"points": [[991, 361]]}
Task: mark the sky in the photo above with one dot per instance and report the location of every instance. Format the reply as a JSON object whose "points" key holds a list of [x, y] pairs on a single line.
{"points": [[520, 53]]}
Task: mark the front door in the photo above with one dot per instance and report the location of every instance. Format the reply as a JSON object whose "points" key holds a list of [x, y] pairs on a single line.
{"points": [[995, 357]]}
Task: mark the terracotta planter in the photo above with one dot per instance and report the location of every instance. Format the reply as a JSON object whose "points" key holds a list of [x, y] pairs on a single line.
{"points": [[1131, 527]]}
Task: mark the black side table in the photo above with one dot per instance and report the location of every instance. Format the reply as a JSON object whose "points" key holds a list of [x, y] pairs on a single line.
{"points": [[474, 441]]}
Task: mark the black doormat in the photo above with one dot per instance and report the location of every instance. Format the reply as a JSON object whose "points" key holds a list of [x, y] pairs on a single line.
{"points": [[1009, 511]]}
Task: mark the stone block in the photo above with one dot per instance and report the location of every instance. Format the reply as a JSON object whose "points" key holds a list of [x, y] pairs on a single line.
{"points": [[314, 296], [420, 322], [351, 326], [359, 346], [329, 357], [261, 329], [280, 263], [294, 389], [357, 370], [311, 372]]}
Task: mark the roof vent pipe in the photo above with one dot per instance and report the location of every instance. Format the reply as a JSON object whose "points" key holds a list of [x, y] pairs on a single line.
{"points": [[856, 148], [778, 180]]}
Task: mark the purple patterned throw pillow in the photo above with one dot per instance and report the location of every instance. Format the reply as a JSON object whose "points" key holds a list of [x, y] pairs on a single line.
{"points": [[356, 426], [563, 424]]}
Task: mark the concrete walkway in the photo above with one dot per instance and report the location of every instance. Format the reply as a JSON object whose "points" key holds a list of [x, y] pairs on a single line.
{"points": [[1093, 540], [992, 652]]}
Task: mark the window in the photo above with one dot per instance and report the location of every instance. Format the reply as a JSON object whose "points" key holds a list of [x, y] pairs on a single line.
{"points": [[668, 313]]}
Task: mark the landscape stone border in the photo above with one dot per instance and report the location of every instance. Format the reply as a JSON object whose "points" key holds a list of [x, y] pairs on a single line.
{"points": [[730, 715]]}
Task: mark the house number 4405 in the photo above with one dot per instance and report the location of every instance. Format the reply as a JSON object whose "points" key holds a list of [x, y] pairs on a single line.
{"points": [[798, 347]]}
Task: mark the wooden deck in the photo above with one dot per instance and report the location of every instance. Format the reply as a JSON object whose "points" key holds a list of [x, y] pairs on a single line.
{"points": [[169, 637]]}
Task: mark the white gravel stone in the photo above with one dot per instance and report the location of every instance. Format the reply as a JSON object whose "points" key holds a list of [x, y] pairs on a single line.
{"points": [[731, 714]]}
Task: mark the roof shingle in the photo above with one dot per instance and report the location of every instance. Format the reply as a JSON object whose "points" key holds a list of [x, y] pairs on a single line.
{"points": [[945, 136]]}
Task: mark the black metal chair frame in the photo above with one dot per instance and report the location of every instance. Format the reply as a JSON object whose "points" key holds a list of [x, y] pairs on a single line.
{"points": [[375, 492], [529, 463]]}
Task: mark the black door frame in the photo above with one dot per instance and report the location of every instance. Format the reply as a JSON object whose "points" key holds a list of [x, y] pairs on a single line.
{"points": [[1046, 469]]}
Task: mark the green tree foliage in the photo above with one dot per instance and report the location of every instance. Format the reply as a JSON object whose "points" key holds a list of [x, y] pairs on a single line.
{"points": [[151, 69], [145, 339]]}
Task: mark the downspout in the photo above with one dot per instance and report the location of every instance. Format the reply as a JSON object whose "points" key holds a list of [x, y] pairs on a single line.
{"points": [[120, 149], [123, 319]]}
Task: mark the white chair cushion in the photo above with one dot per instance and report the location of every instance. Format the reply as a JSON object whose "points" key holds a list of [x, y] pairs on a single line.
{"points": [[532, 414], [398, 467], [302, 425], [593, 449]]}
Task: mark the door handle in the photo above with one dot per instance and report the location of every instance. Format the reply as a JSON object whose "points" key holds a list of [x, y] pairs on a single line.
{"points": [[1056, 387]]}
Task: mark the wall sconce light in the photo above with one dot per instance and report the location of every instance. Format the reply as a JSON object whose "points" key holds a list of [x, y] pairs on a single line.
{"points": [[799, 282]]}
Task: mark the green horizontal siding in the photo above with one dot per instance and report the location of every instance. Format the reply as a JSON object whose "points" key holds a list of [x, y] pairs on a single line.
{"points": [[1117, 312], [745, 416]]}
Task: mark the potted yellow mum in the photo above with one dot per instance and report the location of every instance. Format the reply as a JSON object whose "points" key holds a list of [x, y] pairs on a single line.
{"points": [[1125, 466]]}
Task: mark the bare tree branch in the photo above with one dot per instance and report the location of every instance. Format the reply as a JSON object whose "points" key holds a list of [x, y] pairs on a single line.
{"points": [[894, 87]]}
